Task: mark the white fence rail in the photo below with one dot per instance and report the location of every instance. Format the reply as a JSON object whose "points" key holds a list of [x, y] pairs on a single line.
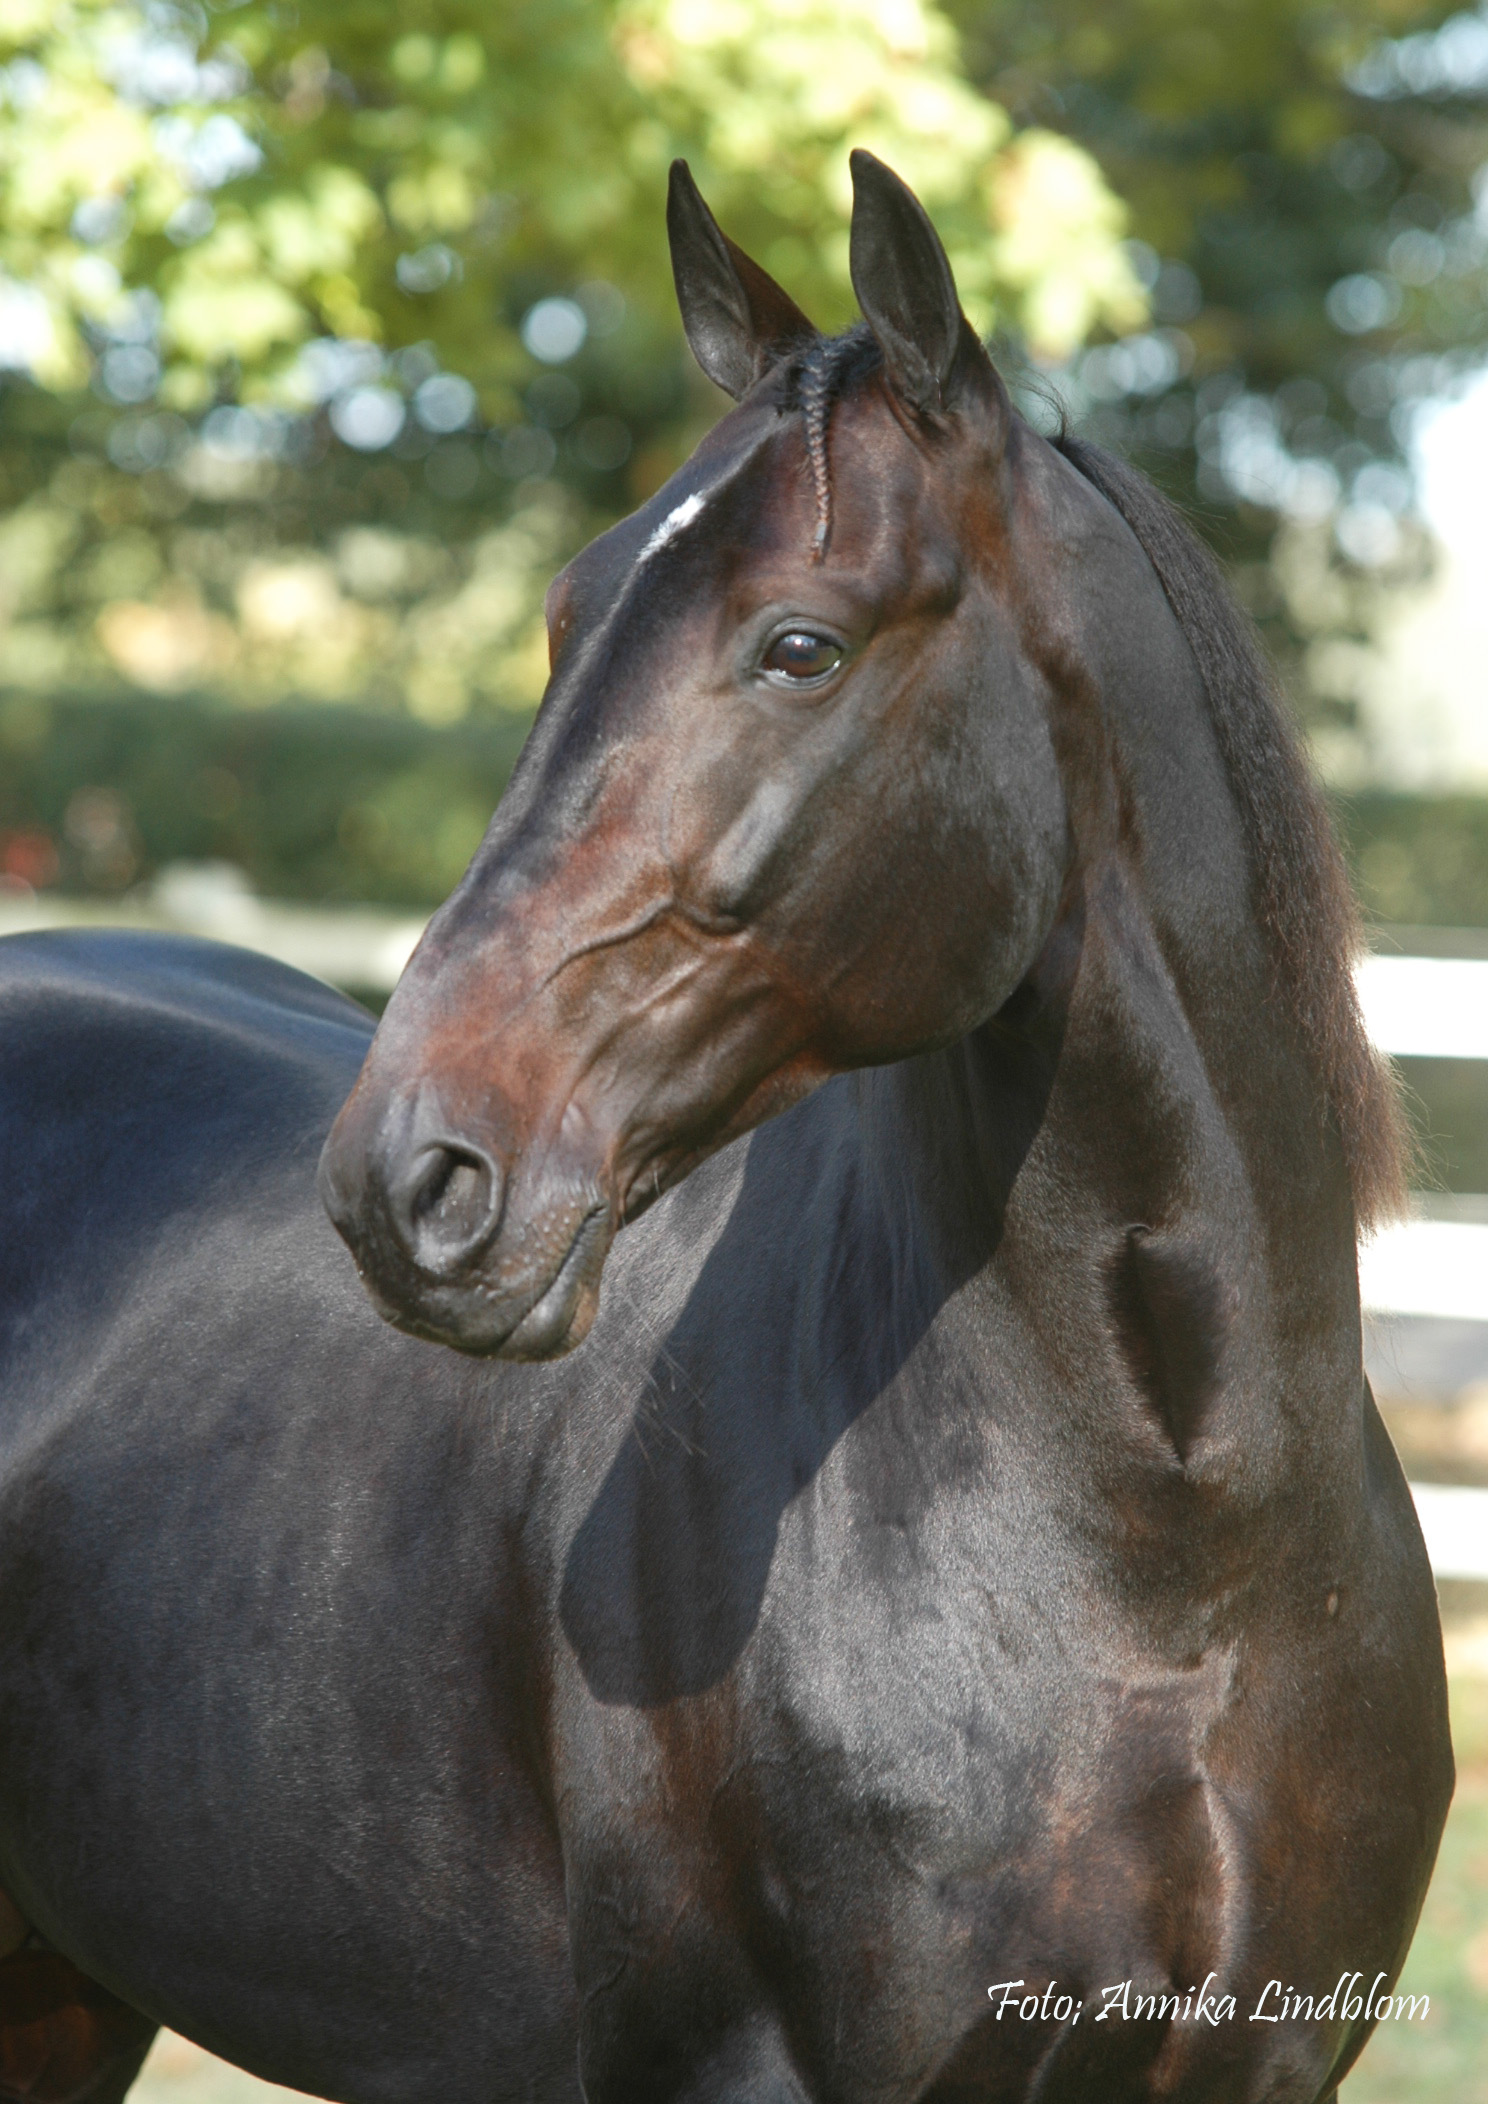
{"points": [[1454, 1520], [1427, 1267], [1426, 1007]]}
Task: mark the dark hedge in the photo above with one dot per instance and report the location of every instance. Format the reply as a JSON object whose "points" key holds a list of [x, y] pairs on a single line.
{"points": [[1418, 859], [312, 802]]}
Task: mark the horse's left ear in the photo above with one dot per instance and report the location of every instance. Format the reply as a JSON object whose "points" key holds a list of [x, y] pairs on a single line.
{"points": [[902, 276], [738, 320]]}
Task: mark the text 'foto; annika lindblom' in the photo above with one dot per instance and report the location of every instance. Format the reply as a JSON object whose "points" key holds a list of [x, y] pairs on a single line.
{"points": [[1276, 2005]]}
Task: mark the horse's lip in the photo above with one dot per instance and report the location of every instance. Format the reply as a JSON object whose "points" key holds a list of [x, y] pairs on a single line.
{"points": [[544, 1330], [477, 1318]]}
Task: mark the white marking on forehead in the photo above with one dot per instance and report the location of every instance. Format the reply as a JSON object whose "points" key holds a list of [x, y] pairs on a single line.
{"points": [[673, 524]]}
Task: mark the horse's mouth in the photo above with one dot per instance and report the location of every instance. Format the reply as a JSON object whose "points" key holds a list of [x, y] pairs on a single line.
{"points": [[489, 1321], [561, 1318]]}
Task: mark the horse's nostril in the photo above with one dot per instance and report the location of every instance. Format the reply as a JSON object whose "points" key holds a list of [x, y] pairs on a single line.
{"points": [[452, 1191], [451, 1204]]}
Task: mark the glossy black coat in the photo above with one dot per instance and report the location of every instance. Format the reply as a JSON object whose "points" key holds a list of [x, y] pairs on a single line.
{"points": [[964, 1548]]}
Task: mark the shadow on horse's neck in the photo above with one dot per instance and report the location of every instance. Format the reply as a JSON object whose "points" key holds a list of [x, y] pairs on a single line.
{"points": [[935, 1248], [860, 1275], [947, 1134], [857, 1221]]}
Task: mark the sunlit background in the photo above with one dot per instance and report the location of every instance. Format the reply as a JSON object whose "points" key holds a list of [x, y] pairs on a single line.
{"points": [[329, 331]]}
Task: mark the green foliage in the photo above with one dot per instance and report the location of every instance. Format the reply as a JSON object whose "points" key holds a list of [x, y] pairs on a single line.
{"points": [[1305, 183], [291, 433], [298, 258], [389, 175], [1418, 859], [312, 803], [1312, 241], [105, 576]]}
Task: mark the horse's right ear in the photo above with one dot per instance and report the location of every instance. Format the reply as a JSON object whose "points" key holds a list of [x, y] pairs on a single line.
{"points": [[737, 319]]}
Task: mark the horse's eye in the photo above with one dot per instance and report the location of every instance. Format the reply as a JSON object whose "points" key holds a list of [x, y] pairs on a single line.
{"points": [[800, 655]]}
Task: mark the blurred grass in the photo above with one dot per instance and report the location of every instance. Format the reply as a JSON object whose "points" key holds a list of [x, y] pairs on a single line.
{"points": [[1443, 2060], [178, 2072]]}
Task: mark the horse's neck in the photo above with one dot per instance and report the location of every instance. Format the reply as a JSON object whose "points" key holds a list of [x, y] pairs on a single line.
{"points": [[1101, 1270], [1089, 1104], [1142, 1099]]}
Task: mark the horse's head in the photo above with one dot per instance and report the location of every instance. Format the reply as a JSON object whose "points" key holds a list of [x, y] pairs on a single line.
{"points": [[790, 806]]}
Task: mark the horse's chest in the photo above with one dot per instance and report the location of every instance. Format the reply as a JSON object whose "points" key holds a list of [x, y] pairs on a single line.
{"points": [[829, 1830]]}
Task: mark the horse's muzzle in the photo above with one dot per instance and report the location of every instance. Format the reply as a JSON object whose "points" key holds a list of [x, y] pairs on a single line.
{"points": [[454, 1245]]}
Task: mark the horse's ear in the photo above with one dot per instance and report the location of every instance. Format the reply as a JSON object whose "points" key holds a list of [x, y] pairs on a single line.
{"points": [[903, 280], [738, 321]]}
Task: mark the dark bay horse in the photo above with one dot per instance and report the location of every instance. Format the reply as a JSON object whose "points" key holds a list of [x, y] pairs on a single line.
{"points": [[957, 1629]]}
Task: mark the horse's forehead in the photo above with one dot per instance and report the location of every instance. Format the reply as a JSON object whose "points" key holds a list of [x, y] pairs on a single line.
{"points": [[607, 566], [605, 576]]}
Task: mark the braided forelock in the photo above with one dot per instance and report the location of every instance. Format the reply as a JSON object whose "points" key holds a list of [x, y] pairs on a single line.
{"points": [[816, 407], [817, 381]]}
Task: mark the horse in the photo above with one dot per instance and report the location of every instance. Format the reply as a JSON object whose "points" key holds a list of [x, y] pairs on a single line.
{"points": [[861, 1563]]}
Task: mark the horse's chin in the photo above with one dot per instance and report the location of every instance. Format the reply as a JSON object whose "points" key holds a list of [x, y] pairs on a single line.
{"points": [[477, 1317], [561, 1320]]}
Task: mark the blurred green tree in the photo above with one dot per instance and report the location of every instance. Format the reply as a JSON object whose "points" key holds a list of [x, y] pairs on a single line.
{"points": [[333, 329], [1310, 215], [276, 175], [327, 332]]}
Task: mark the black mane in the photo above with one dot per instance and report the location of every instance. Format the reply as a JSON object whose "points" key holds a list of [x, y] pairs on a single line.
{"points": [[1303, 899]]}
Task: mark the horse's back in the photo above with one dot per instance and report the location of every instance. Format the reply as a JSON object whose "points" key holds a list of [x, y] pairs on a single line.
{"points": [[101, 1030], [238, 1513], [145, 1080]]}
